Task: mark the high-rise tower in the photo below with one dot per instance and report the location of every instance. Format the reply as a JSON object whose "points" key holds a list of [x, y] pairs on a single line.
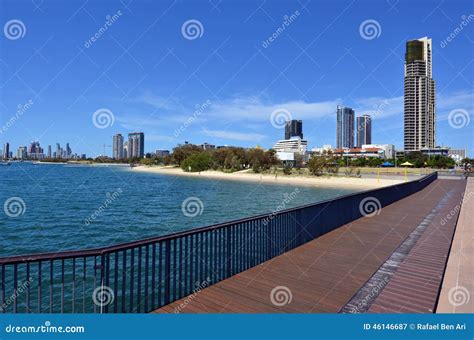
{"points": [[345, 127], [419, 102]]}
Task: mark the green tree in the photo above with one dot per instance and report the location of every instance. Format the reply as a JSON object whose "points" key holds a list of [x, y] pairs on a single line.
{"points": [[197, 162]]}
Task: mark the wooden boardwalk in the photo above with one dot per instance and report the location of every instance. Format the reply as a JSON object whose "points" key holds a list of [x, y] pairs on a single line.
{"points": [[457, 293], [325, 274]]}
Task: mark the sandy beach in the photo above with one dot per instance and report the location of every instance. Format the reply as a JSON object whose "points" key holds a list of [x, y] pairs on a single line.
{"points": [[245, 175]]}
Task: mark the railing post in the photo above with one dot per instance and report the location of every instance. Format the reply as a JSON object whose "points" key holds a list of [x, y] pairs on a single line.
{"points": [[167, 271], [229, 253]]}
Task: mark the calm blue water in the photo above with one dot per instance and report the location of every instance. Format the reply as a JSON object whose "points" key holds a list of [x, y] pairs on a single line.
{"points": [[79, 207]]}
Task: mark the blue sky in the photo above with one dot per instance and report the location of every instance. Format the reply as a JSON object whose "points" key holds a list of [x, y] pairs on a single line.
{"points": [[151, 78]]}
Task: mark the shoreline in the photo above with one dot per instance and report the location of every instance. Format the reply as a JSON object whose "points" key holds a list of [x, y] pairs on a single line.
{"points": [[346, 182]]}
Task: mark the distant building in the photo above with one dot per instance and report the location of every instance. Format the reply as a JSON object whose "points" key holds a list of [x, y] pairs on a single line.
{"points": [[457, 154], [419, 96], [436, 151], [162, 153], [386, 151], [294, 128], [6, 150], [35, 151], [364, 130], [292, 145], [117, 147], [49, 151], [325, 149], [207, 146], [136, 145], [68, 151], [344, 127], [125, 150], [22, 152]]}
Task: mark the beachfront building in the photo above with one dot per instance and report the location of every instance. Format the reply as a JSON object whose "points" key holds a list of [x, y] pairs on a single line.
{"points": [[136, 145], [419, 96], [21, 152], [324, 150], [385, 151], [287, 149], [364, 130], [294, 128], [117, 146], [457, 154], [344, 127], [162, 153]]}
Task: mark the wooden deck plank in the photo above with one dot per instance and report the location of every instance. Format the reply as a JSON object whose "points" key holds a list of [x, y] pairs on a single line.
{"points": [[323, 274]]}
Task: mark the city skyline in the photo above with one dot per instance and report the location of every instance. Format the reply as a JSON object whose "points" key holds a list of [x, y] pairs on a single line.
{"points": [[237, 80]]}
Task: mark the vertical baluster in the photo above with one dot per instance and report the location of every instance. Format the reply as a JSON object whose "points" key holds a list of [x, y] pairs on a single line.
{"points": [[192, 258], [51, 283], [187, 260], [153, 272], [180, 268], [95, 280], [139, 278], [107, 279], [73, 284], [28, 291], [132, 271], [160, 275], [3, 288], [173, 275], [15, 287], [124, 279], [167, 271], [84, 284], [62, 286], [39, 286], [146, 276], [116, 266]]}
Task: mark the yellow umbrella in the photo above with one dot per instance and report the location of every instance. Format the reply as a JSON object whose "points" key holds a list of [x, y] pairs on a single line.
{"points": [[406, 164]]}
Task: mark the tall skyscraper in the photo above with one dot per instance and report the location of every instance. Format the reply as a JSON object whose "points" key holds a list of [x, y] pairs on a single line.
{"points": [[294, 128], [21, 153], [117, 147], [345, 127], [136, 144], [68, 151], [6, 150], [364, 130], [420, 111], [49, 151]]}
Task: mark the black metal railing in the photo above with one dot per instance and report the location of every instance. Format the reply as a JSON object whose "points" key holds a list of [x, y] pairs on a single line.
{"points": [[144, 275]]}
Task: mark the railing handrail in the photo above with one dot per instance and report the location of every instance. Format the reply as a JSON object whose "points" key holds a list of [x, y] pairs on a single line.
{"points": [[151, 240]]}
